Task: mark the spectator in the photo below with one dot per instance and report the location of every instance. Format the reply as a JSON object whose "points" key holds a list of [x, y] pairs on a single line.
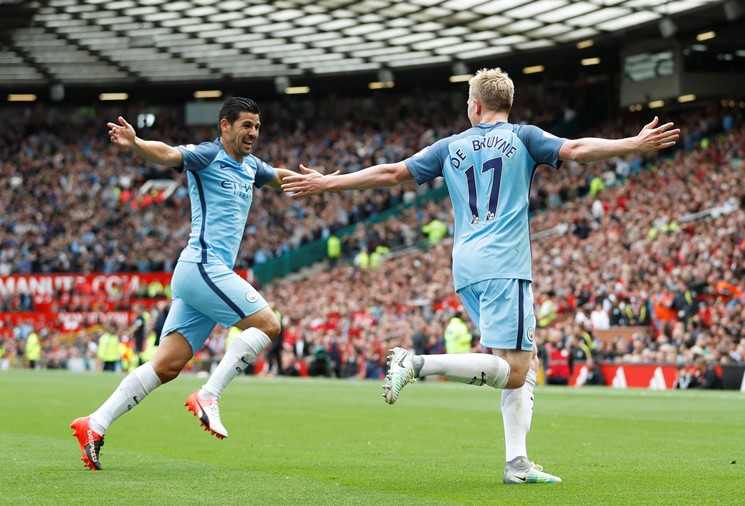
{"points": [[706, 377], [457, 336], [109, 353], [599, 318], [435, 231], [333, 250], [594, 375], [556, 364], [33, 349], [547, 310], [684, 379], [290, 365], [320, 364]]}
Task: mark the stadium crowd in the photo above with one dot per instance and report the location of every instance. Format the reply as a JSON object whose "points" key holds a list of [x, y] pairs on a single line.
{"points": [[652, 241], [77, 205]]}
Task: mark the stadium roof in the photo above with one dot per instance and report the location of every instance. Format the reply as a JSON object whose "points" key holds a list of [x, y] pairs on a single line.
{"points": [[99, 42]]}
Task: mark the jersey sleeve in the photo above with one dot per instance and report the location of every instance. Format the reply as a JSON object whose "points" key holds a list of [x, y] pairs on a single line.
{"points": [[197, 157], [427, 164], [265, 173], [542, 146]]}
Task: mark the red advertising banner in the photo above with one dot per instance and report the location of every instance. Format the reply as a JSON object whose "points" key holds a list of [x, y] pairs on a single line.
{"points": [[651, 376], [120, 284], [67, 320], [42, 285], [81, 292], [73, 301]]}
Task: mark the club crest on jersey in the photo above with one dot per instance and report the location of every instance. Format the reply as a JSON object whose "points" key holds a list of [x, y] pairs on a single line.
{"points": [[531, 334], [252, 296]]}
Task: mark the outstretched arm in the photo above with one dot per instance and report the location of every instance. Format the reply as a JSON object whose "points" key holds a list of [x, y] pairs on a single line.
{"points": [[591, 149], [311, 182], [123, 135], [281, 175]]}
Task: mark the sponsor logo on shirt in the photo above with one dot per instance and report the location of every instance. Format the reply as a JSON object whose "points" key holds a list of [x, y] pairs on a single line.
{"points": [[243, 190]]}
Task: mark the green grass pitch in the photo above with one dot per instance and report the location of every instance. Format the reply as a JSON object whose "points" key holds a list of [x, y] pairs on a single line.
{"points": [[335, 442]]}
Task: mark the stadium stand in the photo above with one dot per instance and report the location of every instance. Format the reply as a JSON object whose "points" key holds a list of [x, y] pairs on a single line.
{"points": [[658, 229], [653, 246]]}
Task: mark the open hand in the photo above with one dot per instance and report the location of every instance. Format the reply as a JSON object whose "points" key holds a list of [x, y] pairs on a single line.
{"points": [[308, 182], [123, 134], [653, 137]]}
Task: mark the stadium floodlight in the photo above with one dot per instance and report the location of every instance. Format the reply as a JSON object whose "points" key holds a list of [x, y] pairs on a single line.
{"points": [[380, 85], [113, 96], [460, 73], [297, 90], [535, 69], [706, 36], [21, 97], [385, 80], [208, 94]]}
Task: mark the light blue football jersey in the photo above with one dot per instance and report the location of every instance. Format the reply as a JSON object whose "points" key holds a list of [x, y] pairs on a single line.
{"points": [[488, 170], [221, 192]]}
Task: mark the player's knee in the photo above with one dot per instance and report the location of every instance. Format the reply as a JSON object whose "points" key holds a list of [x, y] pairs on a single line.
{"points": [[271, 327], [168, 368], [265, 321], [515, 381], [166, 371], [518, 373]]}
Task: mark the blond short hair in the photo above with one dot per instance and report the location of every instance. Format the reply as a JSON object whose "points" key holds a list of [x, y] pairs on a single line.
{"points": [[493, 88]]}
